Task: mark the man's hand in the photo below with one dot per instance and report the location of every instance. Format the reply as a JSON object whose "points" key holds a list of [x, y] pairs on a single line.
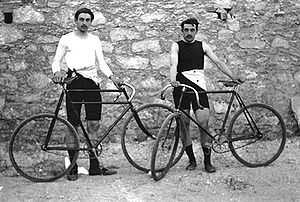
{"points": [[115, 80], [238, 78], [175, 83], [59, 76]]}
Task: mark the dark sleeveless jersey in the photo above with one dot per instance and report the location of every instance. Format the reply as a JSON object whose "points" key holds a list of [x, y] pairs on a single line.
{"points": [[190, 56]]}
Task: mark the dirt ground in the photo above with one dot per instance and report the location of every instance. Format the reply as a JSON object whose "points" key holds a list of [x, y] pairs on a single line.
{"points": [[232, 182]]}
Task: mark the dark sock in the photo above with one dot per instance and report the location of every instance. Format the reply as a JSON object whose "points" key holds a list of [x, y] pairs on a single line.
{"points": [[94, 163], [71, 156], [190, 153], [207, 154]]}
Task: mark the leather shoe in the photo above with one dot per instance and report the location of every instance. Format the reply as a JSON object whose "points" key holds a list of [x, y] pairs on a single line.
{"points": [[209, 168], [73, 174], [72, 177], [192, 166], [102, 171]]}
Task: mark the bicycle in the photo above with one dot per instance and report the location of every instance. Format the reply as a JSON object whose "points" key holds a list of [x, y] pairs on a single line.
{"points": [[38, 149], [256, 134]]}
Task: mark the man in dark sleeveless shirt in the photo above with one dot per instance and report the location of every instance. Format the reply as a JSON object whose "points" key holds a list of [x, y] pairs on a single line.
{"points": [[187, 66]]}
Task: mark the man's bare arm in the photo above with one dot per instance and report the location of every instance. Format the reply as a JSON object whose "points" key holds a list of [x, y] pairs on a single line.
{"points": [[220, 65], [174, 61]]}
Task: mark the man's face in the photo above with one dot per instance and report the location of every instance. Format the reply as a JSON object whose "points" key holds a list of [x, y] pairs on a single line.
{"points": [[83, 22], [189, 32]]}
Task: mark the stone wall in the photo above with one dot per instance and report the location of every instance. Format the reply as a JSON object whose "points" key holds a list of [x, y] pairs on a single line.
{"points": [[261, 42]]}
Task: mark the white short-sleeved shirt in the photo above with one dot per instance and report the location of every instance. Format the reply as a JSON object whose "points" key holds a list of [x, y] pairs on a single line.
{"points": [[84, 54]]}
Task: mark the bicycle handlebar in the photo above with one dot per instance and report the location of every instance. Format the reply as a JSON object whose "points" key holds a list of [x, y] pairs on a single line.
{"points": [[226, 83], [231, 83], [132, 89], [68, 80], [183, 89]]}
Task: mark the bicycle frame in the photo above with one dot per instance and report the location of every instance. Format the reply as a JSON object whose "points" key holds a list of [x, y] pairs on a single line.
{"points": [[129, 106], [233, 95]]}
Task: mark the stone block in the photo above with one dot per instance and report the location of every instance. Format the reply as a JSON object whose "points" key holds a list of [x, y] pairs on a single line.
{"points": [[47, 39], [146, 45], [150, 83], [8, 80], [28, 15], [99, 19], [18, 66], [107, 47], [279, 42], [2, 103], [155, 16], [136, 62], [297, 77], [9, 34], [233, 25], [160, 61], [120, 34], [225, 35], [254, 44], [38, 81]]}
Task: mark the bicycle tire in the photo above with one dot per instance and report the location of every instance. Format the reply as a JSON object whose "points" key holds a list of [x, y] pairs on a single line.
{"points": [[252, 148], [26, 148], [165, 146], [136, 143]]}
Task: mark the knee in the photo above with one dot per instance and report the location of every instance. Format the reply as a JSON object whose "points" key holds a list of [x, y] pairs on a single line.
{"points": [[203, 122], [202, 117]]}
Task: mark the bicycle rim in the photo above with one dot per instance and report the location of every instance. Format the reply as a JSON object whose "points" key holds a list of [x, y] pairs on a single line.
{"points": [[257, 138], [136, 144], [165, 147], [35, 163]]}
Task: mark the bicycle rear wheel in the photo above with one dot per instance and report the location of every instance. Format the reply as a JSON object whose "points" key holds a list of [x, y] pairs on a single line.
{"points": [[257, 135], [139, 133], [165, 146], [29, 156]]}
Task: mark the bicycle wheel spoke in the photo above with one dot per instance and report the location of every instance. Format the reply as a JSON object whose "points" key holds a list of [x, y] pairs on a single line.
{"points": [[28, 154], [136, 144], [258, 139]]}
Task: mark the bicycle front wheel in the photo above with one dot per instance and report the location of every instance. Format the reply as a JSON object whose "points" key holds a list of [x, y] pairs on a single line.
{"points": [[257, 135], [165, 146], [140, 131], [29, 155]]}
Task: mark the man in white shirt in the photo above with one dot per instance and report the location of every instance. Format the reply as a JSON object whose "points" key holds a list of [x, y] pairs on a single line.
{"points": [[82, 52]]}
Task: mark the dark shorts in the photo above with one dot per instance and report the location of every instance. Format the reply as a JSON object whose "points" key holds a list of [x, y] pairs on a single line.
{"points": [[93, 111], [189, 97]]}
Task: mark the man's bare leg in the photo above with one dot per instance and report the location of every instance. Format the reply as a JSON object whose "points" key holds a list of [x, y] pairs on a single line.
{"points": [[73, 174], [202, 116], [188, 144], [92, 128]]}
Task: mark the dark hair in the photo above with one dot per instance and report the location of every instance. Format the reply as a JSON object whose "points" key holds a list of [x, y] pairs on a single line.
{"points": [[84, 10], [192, 21]]}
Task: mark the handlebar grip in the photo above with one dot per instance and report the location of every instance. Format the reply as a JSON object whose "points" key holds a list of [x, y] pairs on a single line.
{"points": [[231, 83], [162, 93], [66, 80], [131, 87]]}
